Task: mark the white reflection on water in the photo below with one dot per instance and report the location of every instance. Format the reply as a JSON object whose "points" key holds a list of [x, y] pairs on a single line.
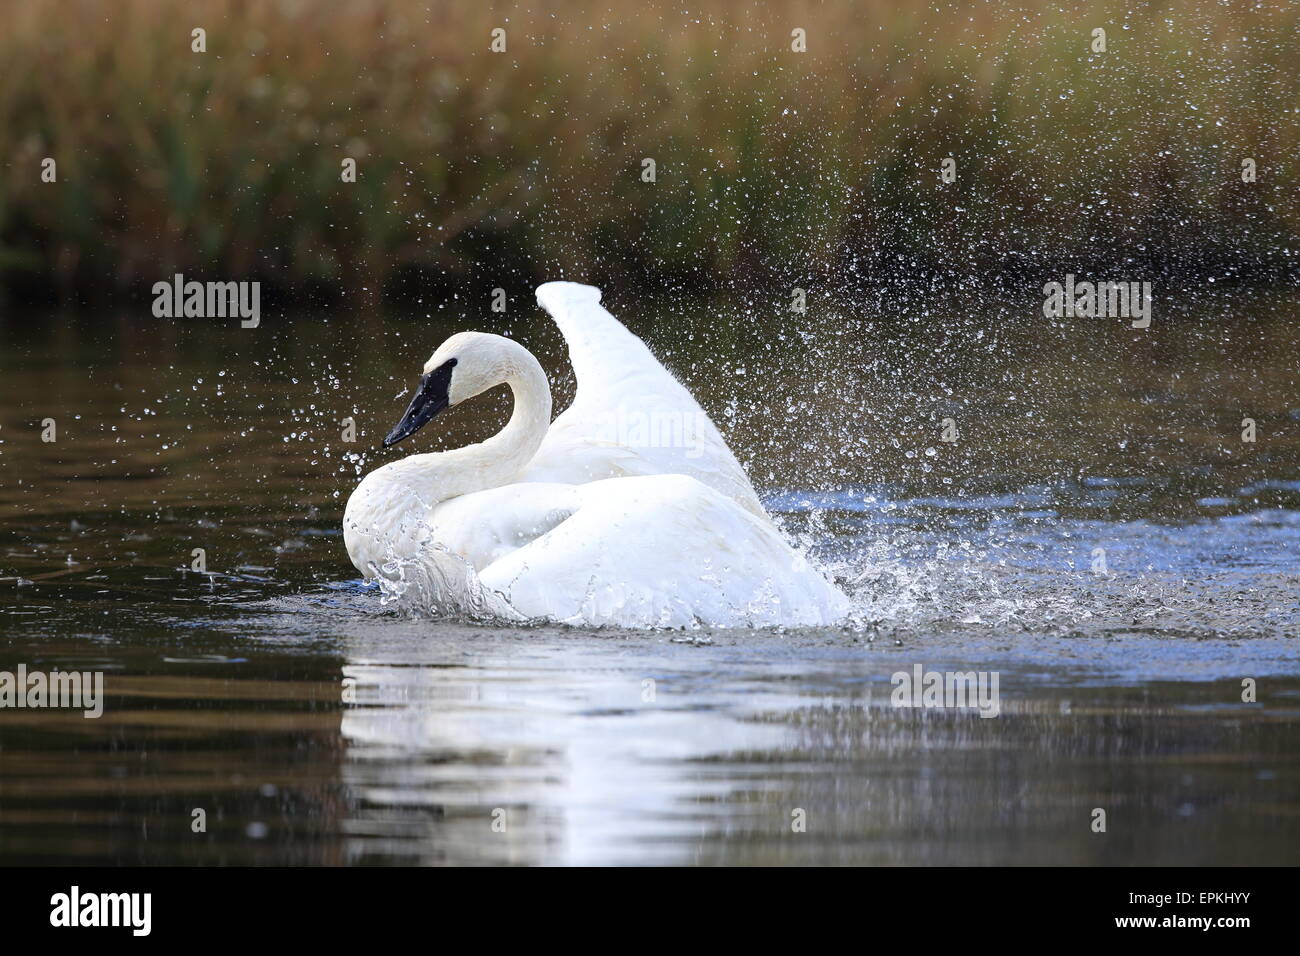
{"points": [[561, 739], [452, 722]]}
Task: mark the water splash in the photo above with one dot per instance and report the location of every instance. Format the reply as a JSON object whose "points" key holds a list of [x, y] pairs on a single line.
{"points": [[440, 584]]}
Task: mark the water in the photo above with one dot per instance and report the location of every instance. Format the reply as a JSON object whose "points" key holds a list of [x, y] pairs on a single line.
{"points": [[1099, 536]]}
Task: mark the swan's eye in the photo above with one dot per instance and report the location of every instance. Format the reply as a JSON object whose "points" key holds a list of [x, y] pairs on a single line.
{"points": [[429, 400]]}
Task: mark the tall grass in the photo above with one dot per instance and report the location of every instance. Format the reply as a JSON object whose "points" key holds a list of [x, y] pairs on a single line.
{"points": [[488, 168]]}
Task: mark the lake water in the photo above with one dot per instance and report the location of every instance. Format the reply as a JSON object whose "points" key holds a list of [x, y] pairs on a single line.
{"points": [[1099, 535]]}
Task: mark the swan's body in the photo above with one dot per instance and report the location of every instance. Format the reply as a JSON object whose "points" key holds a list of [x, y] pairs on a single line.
{"points": [[593, 519]]}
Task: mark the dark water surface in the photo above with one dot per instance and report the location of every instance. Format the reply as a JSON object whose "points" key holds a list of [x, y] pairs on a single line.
{"points": [[1099, 535]]}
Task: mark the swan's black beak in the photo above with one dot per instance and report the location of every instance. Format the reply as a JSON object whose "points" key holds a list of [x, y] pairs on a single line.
{"points": [[429, 400]]}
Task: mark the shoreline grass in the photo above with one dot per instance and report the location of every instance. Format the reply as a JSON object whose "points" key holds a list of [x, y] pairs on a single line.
{"points": [[479, 169]]}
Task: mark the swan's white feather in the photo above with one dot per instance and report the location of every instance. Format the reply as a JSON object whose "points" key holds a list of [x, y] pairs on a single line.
{"points": [[629, 415], [662, 551], [488, 525], [591, 528]]}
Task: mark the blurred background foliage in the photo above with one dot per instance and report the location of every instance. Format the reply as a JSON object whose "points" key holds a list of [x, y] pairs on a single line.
{"points": [[478, 169]]}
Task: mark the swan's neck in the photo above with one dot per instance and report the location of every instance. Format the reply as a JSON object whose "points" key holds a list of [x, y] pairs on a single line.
{"points": [[502, 458]]}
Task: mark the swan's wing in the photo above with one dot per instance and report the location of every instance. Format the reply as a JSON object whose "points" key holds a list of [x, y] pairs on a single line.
{"points": [[390, 519], [629, 416], [487, 525], [663, 551], [391, 538]]}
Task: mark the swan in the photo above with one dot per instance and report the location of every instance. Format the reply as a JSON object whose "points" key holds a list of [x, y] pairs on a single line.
{"points": [[628, 510]]}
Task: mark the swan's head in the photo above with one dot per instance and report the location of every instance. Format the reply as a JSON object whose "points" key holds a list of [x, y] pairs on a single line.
{"points": [[465, 365]]}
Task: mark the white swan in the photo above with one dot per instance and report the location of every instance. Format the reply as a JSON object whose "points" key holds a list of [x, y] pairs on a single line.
{"points": [[628, 510]]}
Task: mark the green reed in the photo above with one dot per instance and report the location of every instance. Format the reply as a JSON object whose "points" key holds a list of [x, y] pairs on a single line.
{"points": [[502, 167]]}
